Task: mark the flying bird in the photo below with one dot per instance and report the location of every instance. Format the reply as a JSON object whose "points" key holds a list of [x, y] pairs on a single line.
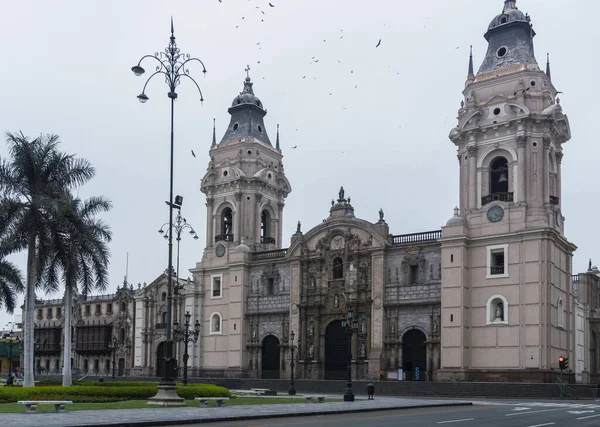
{"points": [[272, 5], [378, 43], [295, 146], [193, 154]]}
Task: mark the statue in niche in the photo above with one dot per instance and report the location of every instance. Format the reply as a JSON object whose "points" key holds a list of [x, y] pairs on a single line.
{"points": [[311, 328], [499, 313], [363, 350], [363, 326], [216, 323], [336, 301], [311, 351], [341, 193], [254, 332], [313, 282], [393, 329]]}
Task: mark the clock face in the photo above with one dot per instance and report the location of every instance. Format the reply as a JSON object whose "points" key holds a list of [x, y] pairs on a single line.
{"points": [[495, 213], [220, 250]]}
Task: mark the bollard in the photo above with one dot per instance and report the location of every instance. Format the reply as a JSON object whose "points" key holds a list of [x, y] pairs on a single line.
{"points": [[370, 391]]}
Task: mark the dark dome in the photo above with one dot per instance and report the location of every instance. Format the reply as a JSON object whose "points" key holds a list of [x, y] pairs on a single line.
{"points": [[247, 96], [511, 15]]}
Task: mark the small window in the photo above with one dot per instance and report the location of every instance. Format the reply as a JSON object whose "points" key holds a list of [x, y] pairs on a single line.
{"points": [[414, 274], [123, 306], [107, 365], [270, 286], [40, 314], [122, 335], [98, 309], [338, 269], [216, 327], [109, 308], [58, 312], [164, 318], [502, 52], [451, 257], [85, 365], [96, 365], [49, 313], [259, 128], [497, 111], [88, 310], [503, 20], [235, 126], [497, 261], [216, 291]]}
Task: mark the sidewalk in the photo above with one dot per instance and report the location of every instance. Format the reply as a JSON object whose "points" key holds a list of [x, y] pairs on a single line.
{"points": [[187, 415]]}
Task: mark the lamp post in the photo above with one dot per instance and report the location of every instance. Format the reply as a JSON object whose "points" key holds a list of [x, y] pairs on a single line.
{"points": [[350, 326], [172, 64], [186, 336], [11, 340], [113, 345], [292, 390]]}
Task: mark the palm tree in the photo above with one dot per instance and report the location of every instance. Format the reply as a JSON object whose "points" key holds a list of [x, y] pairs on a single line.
{"points": [[35, 177], [10, 284], [79, 255]]}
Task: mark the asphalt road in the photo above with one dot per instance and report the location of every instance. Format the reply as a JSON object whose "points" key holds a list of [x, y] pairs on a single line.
{"points": [[487, 414]]}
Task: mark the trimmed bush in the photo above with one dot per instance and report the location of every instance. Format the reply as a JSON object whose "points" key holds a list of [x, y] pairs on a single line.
{"points": [[97, 394]]}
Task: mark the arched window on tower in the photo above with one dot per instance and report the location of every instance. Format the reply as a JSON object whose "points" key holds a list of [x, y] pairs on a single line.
{"points": [[226, 226], [265, 228], [338, 269], [498, 182]]}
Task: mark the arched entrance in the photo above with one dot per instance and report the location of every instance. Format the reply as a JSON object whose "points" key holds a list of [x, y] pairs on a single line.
{"points": [[161, 363], [414, 355], [336, 352], [270, 357]]}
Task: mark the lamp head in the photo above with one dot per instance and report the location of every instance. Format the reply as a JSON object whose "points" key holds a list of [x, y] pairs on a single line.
{"points": [[142, 98], [196, 237], [178, 200], [197, 327], [161, 231], [138, 70], [187, 317], [292, 336]]}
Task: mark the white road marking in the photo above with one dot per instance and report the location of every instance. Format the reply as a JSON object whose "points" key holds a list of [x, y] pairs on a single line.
{"points": [[589, 416], [521, 409], [580, 412], [542, 425], [534, 412], [455, 421]]}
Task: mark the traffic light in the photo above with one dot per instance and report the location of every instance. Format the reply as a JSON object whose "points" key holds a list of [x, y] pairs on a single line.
{"points": [[563, 363]]}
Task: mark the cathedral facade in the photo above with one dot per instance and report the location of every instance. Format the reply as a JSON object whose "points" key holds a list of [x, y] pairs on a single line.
{"points": [[486, 297]]}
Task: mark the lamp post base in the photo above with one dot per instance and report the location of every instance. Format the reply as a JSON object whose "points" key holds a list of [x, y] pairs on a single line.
{"points": [[348, 396], [167, 395], [292, 391]]}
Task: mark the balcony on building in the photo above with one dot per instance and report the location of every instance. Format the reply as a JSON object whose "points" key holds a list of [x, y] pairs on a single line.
{"points": [[224, 238], [499, 190]]}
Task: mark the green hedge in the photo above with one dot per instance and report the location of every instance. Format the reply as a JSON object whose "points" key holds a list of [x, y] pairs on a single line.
{"points": [[91, 394]]}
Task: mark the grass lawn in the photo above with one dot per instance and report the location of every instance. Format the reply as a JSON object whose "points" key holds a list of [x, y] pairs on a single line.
{"points": [[137, 404]]}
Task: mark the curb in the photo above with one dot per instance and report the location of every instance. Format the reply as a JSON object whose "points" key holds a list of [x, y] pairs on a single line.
{"points": [[266, 416]]}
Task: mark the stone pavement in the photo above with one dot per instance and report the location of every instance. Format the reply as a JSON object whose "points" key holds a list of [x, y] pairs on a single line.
{"points": [[191, 415]]}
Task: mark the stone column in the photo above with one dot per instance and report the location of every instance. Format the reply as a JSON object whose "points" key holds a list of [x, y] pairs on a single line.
{"points": [[279, 235], [257, 218], [377, 294], [302, 349], [546, 171], [521, 141], [209, 223], [237, 222], [317, 337], [472, 154], [559, 157]]}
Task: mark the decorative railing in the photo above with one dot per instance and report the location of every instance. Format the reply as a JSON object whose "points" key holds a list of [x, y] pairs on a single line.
{"points": [[425, 236], [497, 197], [224, 238], [499, 269], [92, 346], [554, 200], [278, 253], [48, 348], [267, 240], [100, 297], [575, 277]]}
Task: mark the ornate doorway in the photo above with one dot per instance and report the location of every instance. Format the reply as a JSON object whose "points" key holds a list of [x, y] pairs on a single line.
{"points": [[414, 355], [161, 363], [270, 357], [336, 352]]}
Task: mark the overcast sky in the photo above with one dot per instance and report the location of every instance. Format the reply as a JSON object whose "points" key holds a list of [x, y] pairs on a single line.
{"points": [[375, 120]]}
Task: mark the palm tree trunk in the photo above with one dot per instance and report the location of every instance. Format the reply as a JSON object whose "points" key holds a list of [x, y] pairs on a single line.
{"points": [[29, 325], [67, 377]]}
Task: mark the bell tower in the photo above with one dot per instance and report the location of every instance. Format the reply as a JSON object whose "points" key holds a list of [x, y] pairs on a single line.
{"points": [[245, 183], [506, 264]]}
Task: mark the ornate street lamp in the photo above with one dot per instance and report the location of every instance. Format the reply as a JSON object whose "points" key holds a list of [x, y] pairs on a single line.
{"points": [[172, 64], [186, 336], [11, 340], [350, 326], [292, 390]]}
